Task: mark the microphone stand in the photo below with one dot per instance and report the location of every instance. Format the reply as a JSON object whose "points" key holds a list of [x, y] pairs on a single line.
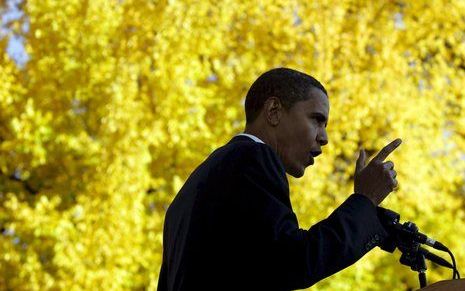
{"points": [[407, 239], [412, 255]]}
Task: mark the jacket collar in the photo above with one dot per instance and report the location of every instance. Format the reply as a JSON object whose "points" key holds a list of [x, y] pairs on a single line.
{"points": [[239, 138]]}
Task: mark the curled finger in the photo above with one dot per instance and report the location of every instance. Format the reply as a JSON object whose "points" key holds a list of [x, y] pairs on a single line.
{"points": [[388, 165]]}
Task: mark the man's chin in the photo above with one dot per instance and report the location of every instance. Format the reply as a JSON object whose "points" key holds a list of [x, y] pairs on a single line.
{"points": [[297, 173]]}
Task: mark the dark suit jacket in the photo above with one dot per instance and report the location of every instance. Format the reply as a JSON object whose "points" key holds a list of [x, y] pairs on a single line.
{"points": [[232, 227]]}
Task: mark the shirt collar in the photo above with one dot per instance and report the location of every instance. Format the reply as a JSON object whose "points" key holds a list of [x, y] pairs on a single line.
{"points": [[256, 139]]}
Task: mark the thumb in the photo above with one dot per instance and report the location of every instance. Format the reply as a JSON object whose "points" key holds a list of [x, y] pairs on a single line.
{"points": [[360, 161]]}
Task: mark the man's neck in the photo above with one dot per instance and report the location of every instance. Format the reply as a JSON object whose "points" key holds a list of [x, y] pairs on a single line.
{"points": [[260, 134]]}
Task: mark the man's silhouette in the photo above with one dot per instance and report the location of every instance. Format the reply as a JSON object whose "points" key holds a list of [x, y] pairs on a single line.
{"points": [[232, 227]]}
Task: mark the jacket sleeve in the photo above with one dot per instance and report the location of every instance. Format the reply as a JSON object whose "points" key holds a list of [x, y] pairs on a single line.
{"points": [[298, 257], [337, 242]]}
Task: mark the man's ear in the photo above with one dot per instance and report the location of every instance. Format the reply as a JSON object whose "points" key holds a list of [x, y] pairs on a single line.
{"points": [[273, 110]]}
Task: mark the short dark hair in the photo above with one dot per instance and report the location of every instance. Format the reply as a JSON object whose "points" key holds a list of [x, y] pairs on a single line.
{"points": [[289, 85]]}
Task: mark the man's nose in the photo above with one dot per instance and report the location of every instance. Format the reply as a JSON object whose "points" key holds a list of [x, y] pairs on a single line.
{"points": [[322, 138]]}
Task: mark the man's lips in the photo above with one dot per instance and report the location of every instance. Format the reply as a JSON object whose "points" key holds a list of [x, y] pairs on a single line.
{"points": [[312, 155], [311, 161]]}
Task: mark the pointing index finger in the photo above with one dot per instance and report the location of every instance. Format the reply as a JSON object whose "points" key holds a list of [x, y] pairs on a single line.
{"points": [[387, 150]]}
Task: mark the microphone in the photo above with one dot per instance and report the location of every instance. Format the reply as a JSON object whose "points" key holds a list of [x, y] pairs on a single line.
{"points": [[407, 239], [405, 229], [390, 220], [435, 258]]}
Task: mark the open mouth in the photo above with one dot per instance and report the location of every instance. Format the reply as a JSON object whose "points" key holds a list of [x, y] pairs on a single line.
{"points": [[312, 156], [311, 160]]}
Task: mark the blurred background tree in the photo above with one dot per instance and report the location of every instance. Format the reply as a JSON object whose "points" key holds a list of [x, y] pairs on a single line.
{"points": [[115, 102]]}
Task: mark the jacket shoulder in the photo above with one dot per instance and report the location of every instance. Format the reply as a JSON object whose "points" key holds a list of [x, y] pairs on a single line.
{"points": [[250, 154]]}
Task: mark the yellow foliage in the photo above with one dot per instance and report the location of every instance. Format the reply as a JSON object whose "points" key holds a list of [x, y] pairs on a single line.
{"points": [[120, 101]]}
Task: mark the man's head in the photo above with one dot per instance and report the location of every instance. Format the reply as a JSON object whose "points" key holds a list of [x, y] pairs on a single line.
{"points": [[289, 111]]}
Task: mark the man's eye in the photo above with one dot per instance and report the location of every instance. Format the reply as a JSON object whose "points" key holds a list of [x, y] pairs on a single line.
{"points": [[321, 121]]}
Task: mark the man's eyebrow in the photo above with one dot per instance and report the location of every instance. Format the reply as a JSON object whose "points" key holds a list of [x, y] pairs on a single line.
{"points": [[318, 114]]}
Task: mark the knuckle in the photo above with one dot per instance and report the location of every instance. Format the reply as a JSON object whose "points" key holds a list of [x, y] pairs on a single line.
{"points": [[389, 165]]}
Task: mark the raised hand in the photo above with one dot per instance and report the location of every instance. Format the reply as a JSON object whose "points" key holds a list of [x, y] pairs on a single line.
{"points": [[376, 179]]}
